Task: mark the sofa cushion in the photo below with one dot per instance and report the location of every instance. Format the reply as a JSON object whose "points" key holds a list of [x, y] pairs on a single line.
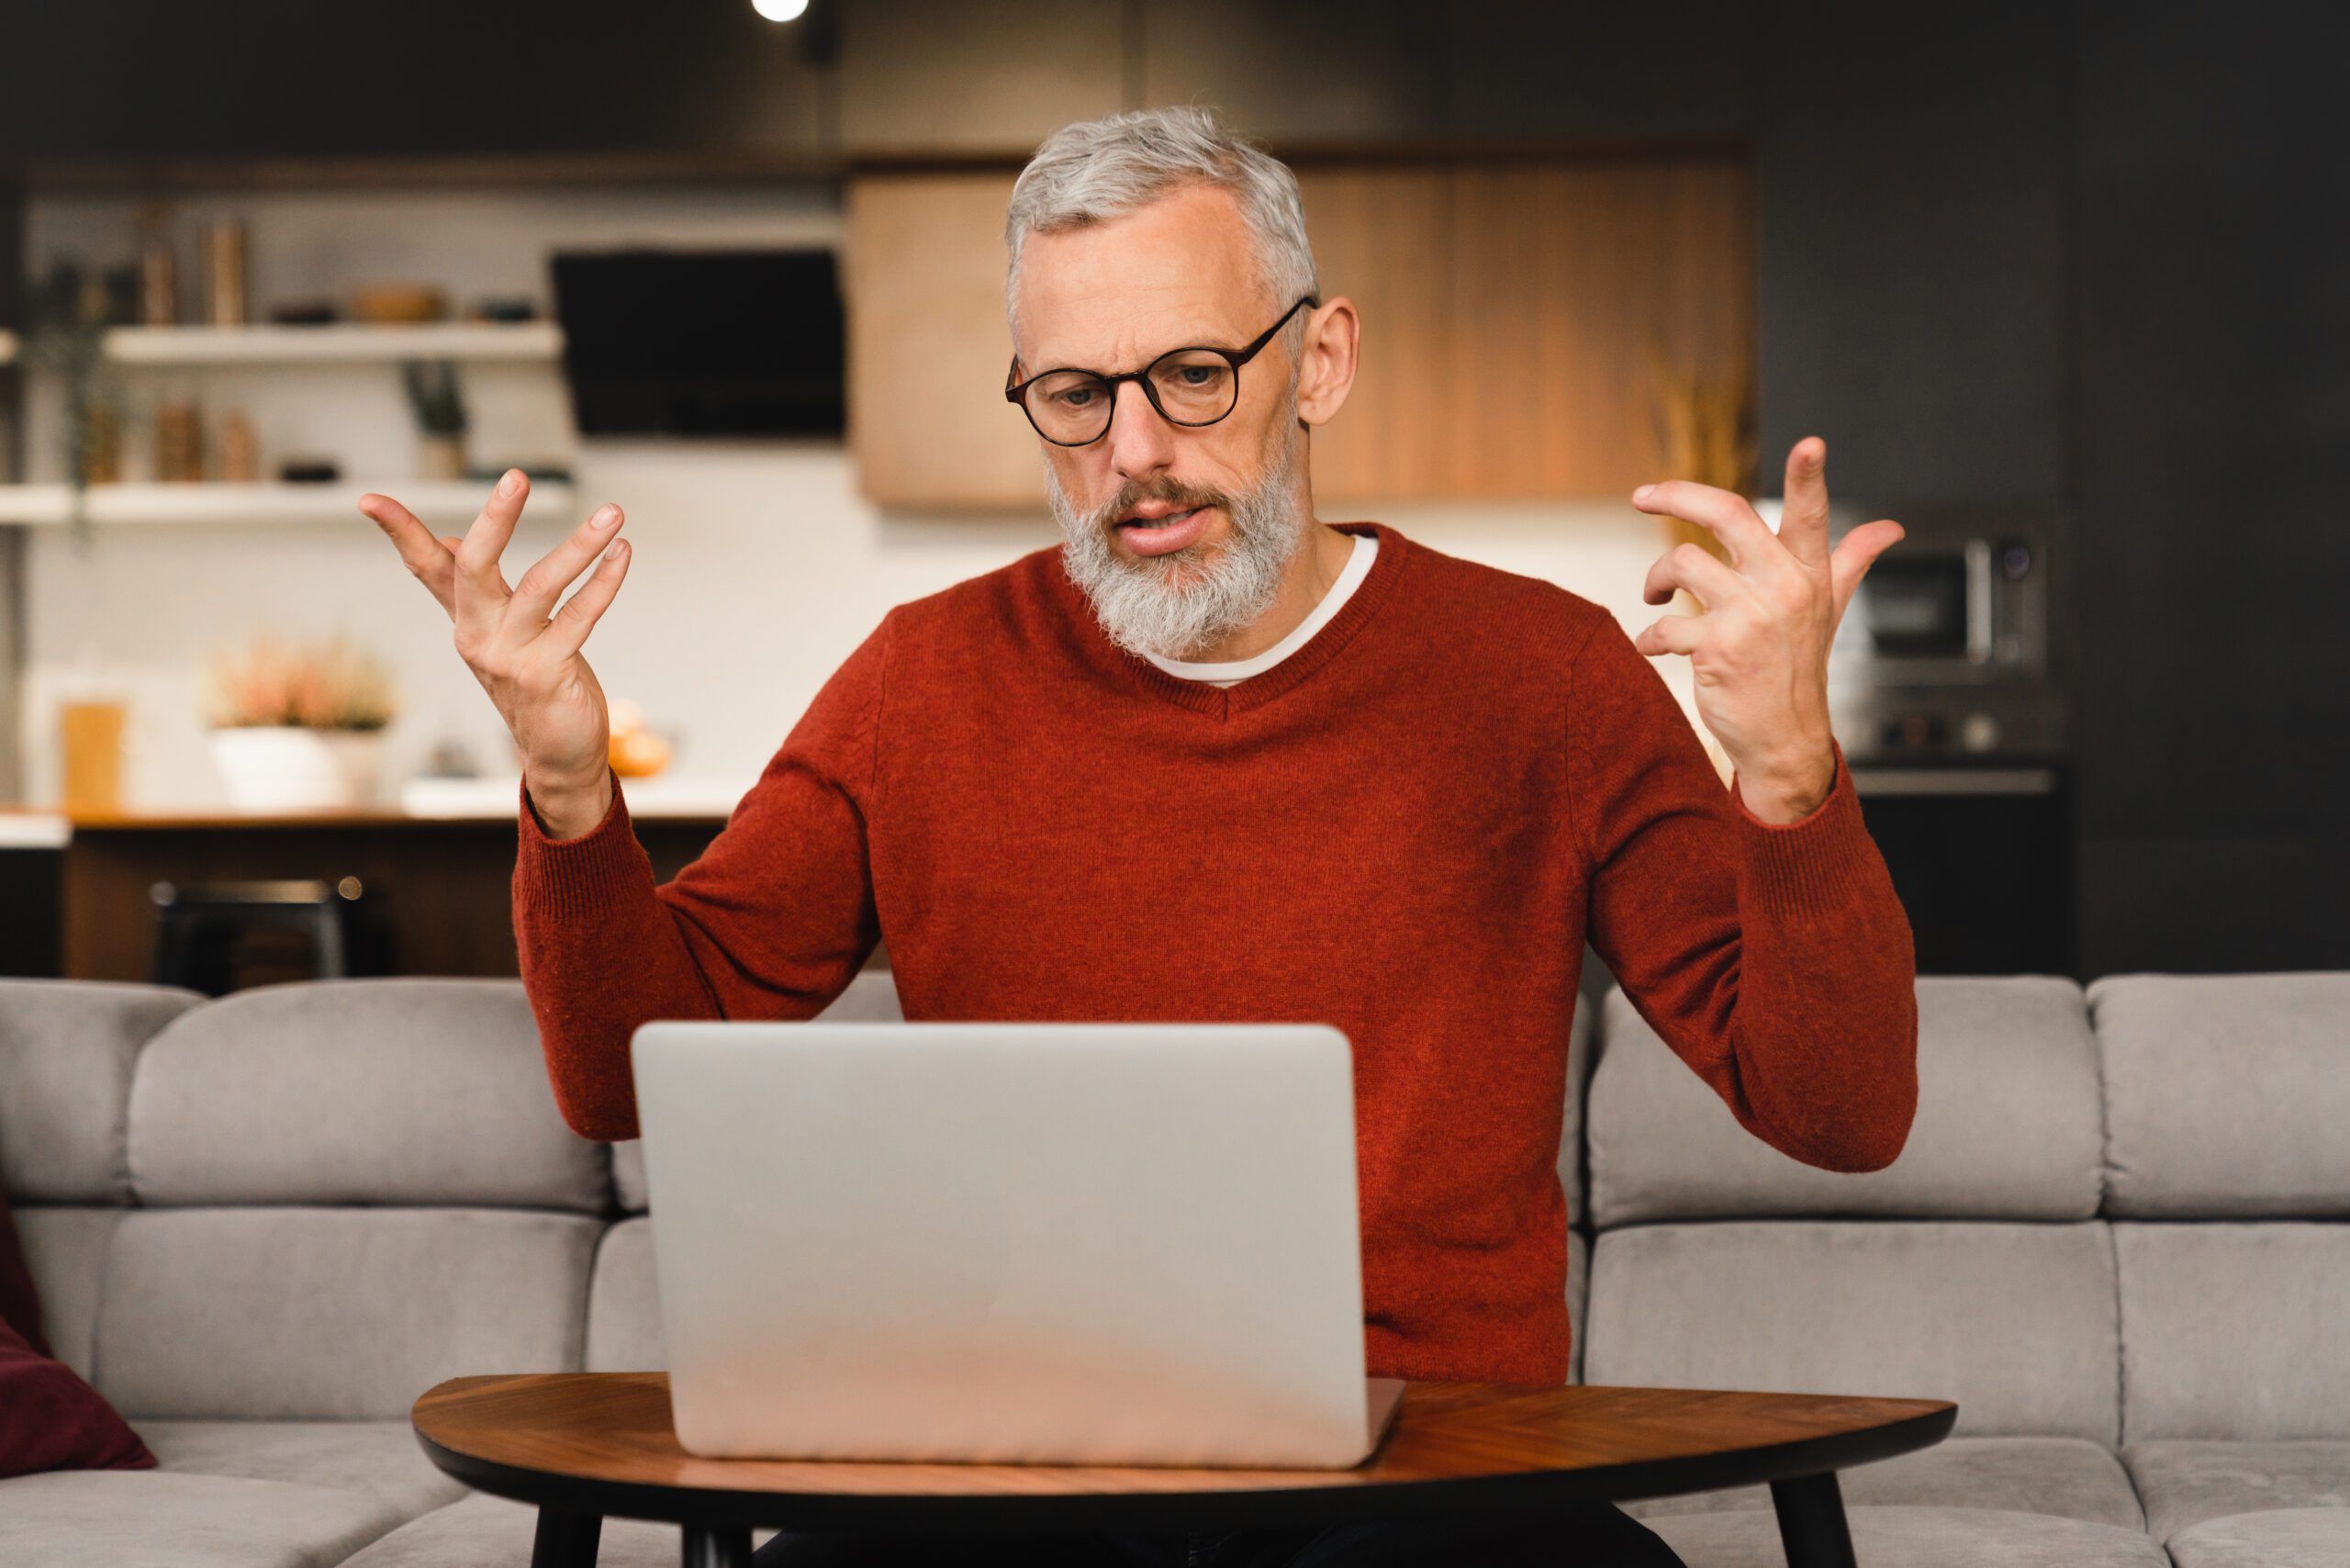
{"points": [[2226, 1095], [2014, 1322], [1918, 1538], [66, 1052], [2234, 1332], [2009, 1125], [2185, 1480], [66, 1249], [150, 1519], [482, 1531], [2284, 1538], [870, 997], [376, 1459], [624, 1303], [358, 1091], [309, 1315], [2070, 1477]]}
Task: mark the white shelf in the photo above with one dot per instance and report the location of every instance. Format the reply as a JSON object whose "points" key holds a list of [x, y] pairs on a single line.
{"points": [[431, 500], [336, 343]]}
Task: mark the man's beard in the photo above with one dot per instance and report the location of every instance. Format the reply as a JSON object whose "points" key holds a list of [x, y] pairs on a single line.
{"points": [[1178, 604]]}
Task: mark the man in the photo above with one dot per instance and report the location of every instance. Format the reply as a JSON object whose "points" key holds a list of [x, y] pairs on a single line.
{"points": [[1214, 759]]}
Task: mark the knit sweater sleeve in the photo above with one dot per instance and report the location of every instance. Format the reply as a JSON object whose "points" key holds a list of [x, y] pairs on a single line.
{"points": [[771, 921], [1775, 960]]}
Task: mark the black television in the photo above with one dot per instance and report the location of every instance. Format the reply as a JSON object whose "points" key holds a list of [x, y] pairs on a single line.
{"points": [[668, 343]]}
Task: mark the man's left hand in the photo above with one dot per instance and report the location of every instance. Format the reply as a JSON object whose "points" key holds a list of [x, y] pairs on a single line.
{"points": [[1759, 650]]}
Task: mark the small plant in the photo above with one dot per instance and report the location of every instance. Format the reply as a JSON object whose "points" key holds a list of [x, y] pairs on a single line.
{"points": [[66, 317], [331, 686], [434, 397]]}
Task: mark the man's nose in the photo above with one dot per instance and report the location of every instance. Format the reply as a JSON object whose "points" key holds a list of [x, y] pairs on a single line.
{"points": [[1141, 443]]}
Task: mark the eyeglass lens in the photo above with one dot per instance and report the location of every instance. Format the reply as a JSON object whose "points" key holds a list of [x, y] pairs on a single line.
{"points": [[1190, 386]]}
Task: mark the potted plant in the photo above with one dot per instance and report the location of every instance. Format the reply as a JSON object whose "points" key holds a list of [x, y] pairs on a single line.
{"points": [[298, 728], [435, 398]]}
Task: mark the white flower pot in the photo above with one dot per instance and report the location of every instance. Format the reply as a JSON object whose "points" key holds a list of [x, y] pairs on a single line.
{"points": [[287, 767]]}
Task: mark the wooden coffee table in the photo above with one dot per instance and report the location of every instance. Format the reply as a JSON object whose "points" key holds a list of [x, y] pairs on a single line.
{"points": [[585, 1445]]}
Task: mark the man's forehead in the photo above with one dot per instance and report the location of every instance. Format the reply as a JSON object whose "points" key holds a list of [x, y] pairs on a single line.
{"points": [[1179, 270]]}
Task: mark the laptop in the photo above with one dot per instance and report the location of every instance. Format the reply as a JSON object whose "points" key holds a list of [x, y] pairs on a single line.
{"points": [[1111, 1243]]}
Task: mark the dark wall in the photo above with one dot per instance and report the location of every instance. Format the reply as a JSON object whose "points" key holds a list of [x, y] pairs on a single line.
{"points": [[2213, 480]]}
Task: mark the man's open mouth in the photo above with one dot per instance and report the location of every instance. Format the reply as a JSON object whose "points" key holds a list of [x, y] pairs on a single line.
{"points": [[1154, 518]]}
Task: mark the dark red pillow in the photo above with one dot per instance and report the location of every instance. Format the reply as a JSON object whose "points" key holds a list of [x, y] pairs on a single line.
{"points": [[49, 1419], [19, 1303]]}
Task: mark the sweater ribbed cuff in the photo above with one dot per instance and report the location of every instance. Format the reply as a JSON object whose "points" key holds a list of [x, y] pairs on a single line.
{"points": [[1811, 866], [576, 879]]}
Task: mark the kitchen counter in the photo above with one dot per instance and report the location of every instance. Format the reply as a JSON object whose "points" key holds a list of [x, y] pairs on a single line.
{"points": [[436, 868]]}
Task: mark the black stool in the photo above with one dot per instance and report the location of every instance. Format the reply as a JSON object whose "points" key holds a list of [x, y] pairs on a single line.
{"points": [[203, 933]]}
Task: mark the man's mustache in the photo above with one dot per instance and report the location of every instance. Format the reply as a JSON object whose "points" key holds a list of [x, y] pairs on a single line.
{"points": [[1130, 496]]}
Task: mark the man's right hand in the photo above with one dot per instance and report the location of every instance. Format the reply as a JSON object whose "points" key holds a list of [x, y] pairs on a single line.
{"points": [[523, 650]]}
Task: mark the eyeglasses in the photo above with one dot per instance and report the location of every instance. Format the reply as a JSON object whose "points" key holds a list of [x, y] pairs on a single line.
{"points": [[1188, 387]]}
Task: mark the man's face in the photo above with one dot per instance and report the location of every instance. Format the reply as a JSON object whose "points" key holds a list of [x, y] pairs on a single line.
{"points": [[1111, 296]]}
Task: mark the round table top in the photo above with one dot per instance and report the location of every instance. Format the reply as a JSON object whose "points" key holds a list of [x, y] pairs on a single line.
{"points": [[603, 1443]]}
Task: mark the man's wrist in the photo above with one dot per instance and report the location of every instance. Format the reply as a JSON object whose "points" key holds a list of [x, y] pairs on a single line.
{"points": [[570, 809], [1785, 795]]}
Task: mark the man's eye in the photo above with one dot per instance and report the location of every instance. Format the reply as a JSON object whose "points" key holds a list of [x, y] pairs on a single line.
{"points": [[1075, 397], [1197, 375]]}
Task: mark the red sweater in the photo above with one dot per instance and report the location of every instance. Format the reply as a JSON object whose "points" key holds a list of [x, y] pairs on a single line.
{"points": [[1407, 829]]}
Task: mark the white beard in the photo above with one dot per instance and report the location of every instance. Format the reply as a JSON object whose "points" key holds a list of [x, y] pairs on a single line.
{"points": [[1179, 604]]}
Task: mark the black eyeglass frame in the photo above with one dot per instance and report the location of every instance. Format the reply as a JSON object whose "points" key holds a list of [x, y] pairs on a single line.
{"points": [[1016, 392]]}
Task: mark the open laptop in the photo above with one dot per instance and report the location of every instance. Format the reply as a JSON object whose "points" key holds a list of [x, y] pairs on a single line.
{"points": [[1036, 1243]]}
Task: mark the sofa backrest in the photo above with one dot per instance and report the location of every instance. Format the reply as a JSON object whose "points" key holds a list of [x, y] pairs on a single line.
{"points": [[2119, 1214], [2227, 1178], [299, 1201], [1974, 1267]]}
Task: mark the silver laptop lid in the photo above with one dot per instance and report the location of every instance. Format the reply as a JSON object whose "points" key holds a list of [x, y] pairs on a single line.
{"points": [[1121, 1244]]}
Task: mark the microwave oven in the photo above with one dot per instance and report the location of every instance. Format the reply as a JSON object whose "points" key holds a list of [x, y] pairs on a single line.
{"points": [[1945, 648]]}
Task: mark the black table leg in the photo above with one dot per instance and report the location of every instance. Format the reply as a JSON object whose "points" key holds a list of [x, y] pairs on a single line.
{"points": [[717, 1548], [566, 1539], [1811, 1521]]}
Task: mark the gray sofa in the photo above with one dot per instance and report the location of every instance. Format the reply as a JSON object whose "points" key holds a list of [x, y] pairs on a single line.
{"points": [[264, 1225]]}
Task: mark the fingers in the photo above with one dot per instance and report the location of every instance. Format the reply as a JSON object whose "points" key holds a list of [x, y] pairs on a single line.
{"points": [[433, 561], [1803, 525], [535, 593], [481, 590], [1691, 567], [1727, 514], [1674, 634], [580, 611], [1855, 553]]}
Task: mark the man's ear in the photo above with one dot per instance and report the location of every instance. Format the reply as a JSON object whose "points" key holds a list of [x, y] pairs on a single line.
{"points": [[1327, 365]]}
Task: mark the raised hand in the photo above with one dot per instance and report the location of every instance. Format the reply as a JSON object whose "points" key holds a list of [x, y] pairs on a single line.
{"points": [[1759, 652], [524, 650]]}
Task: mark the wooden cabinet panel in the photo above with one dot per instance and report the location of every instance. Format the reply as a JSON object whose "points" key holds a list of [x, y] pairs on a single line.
{"points": [[1382, 238], [1510, 312], [928, 347]]}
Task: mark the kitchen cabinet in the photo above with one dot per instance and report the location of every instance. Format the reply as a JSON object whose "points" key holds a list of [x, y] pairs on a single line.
{"points": [[991, 76], [1511, 313], [1302, 73], [928, 348]]}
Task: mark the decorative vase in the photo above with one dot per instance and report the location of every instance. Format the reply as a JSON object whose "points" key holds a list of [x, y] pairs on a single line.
{"points": [[440, 456], [289, 768]]}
